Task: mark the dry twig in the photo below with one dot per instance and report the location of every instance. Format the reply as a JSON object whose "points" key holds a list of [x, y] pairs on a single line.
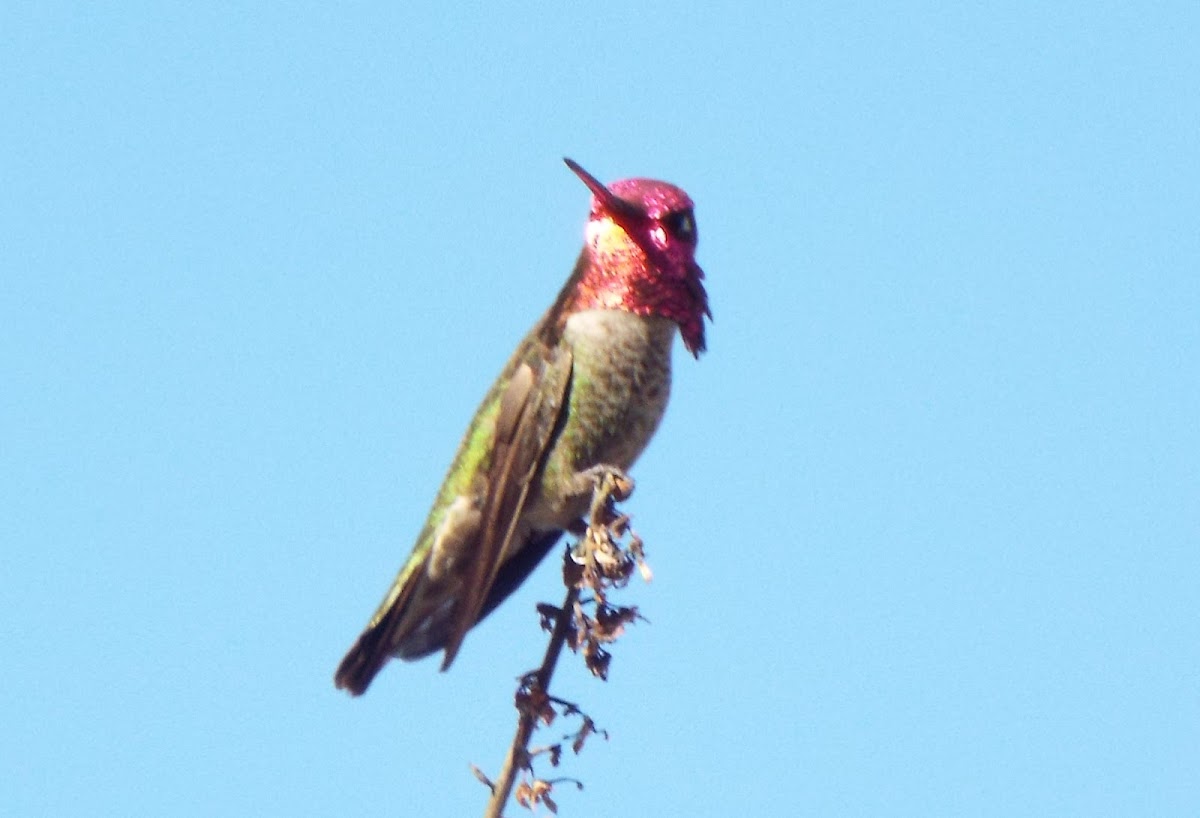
{"points": [[596, 563]]}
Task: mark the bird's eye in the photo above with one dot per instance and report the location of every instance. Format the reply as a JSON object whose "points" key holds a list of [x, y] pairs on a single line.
{"points": [[681, 225]]}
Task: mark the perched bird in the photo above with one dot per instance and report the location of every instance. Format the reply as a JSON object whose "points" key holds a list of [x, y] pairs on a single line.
{"points": [[583, 392]]}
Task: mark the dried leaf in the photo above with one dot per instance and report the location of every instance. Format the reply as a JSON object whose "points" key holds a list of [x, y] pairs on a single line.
{"points": [[586, 730], [524, 795], [644, 570], [610, 621], [596, 658], [619, 526]]}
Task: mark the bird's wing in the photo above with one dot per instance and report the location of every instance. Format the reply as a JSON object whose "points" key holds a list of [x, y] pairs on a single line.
{"points": [[530, 409], [443, 588]]}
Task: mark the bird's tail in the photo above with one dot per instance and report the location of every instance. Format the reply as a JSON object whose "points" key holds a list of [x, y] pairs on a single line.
{"points": [[366, 657]]}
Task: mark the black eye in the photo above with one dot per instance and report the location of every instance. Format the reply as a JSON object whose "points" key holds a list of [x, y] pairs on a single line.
{"points": [[681, 225]]}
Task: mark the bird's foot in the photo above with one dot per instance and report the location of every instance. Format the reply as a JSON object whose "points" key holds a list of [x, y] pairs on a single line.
{"points": [[605, 481]]}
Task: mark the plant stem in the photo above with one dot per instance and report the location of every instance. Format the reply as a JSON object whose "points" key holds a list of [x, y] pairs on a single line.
{"points": [[518, 756]]}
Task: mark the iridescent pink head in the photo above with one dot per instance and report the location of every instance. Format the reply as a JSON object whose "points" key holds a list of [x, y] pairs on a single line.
{"points": [[648, 265]]}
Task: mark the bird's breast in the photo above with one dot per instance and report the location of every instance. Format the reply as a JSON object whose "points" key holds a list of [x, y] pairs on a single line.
{"points": [[620, 382]]}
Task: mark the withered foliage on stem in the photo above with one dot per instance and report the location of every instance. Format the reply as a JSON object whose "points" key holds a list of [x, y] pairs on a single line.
{"points": [[595, 565]]}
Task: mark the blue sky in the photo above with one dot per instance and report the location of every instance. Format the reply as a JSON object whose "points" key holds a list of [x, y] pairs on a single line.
{"points": [[924, 520]]}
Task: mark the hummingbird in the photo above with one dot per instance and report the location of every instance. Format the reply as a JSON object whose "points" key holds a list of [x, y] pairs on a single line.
{"points": [[583, 393]]}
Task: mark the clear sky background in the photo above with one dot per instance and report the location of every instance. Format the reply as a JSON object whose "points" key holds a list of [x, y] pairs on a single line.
{"points": [[925, 521]]}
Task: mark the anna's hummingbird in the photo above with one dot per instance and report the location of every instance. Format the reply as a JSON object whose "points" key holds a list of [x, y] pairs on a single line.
{"points": [[584, 391]]}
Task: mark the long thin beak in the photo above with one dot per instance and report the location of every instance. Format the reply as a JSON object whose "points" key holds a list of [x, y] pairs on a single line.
{"points": [[624, 212]]}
